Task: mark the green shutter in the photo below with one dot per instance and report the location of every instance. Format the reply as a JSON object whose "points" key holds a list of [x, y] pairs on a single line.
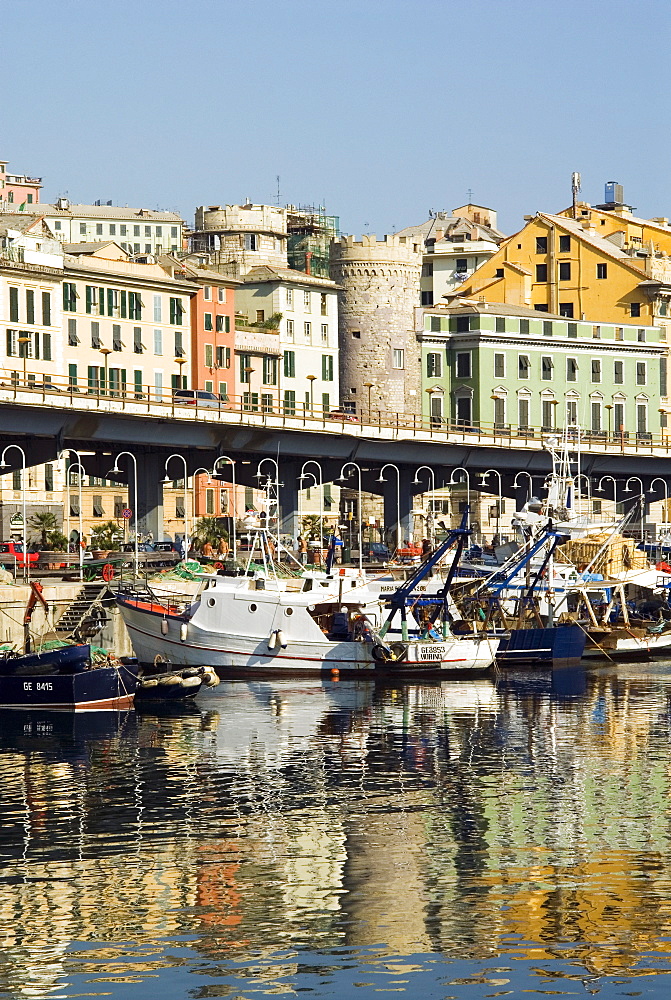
{"points": [[10, 343], [72, 374], [46, 346], [36, 347], [46, 309], [138, 383], [66, 296], [123, 305], [89, 298], [101, 301], [110, 302], [227, 324], [92, 378]]}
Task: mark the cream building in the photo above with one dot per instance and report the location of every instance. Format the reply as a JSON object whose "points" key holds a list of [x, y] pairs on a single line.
{"points": [[137, 230]]}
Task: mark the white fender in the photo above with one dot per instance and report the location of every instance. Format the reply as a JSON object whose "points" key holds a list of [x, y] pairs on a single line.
{"points": [[282, 639], [191, 682], [164, 626], [272, 641], [183, 629]]}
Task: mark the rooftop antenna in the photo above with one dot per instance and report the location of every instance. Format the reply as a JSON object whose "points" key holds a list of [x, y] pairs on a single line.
{"points": [[469, 196], [575, 187], [278, 189]]}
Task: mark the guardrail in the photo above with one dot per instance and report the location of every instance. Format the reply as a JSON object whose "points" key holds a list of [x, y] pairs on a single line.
{"points": [[247, 409]]}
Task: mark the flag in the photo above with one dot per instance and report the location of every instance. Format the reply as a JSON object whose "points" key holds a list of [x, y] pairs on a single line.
{"points": [[22, 206]]}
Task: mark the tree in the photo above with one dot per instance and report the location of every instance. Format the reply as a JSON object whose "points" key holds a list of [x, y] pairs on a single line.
{"points": [[43, 523], [56, 541], [106, 535], [310, 523], [208, 529]]}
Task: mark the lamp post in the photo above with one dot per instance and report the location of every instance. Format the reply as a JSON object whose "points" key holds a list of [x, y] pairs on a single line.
{"points": [[320, 484], [454, 482], [194, 474], [600, 489], [628, 489], [3, 465], [341, 479], [62, 454], [531, 482], [23, 347], [609, 410], [483, 480], [231, 461], [433, 494], [180, 362], [578, 478], [311, 380], [186, 493], [658, 479], [105, 351], [381, 479], [135, 498]]}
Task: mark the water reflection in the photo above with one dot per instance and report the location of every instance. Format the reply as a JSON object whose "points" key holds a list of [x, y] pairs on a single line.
{"points": [[315, 836]]}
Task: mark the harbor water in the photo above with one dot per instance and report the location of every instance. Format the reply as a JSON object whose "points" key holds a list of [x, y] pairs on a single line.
{"points": [[465, 839]]}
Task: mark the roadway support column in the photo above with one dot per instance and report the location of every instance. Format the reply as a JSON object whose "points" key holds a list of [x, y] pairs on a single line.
{"points": [[393, 516], [289, 521], [148, 504]]}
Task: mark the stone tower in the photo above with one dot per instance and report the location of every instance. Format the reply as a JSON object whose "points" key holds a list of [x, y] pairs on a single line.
{"points": [[379, 292], [242, 236]]}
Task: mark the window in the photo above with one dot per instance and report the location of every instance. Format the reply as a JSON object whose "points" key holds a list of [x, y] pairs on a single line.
{"points": [[548, 418], [207, 292], [219, 323], [221, 294], [245, 363], [326, 402], [541, 307], [566, 309], [46, 309], [500, 324], [541, 244], [135, 306], [499, 272], [269, 371], [209, 356], [82, 229], [289, 364], [499, 411], [523, 413], [72, 376], [523, 366], [325, 333], [179, 346], [640, 336], [223, 357], [176, 311], [572, 329], [565, 270], [158, 385], [547, 328], [499, 366], [663, 373], [209, 386], [635, 309], [209, 501], [250, 241], [136, 230], [541, 272], [49, 477], [260, 315], [463, 364], [223, 391], [571, 412], [122, 230], [95, 378], [327, 367], [290, 298], [98, 506], [116, 337], [307, 328], [426, 298], [571, 369], [137, 382], [46, 347], [547, 365], [307, 302], [463, 324], [58, 224], [602, 270], [641, 418], [157, 309], [524, 326], [356, 334], [173, 232], [208, 322], [323, 306], [158, 342], [464, 409], [96, 342], [290, 329], [398, 358], [595, 409], [596, 370], [73, 339], [434, 324], [266, 402], [641, 373], [137, 340], [12, 343], [618, 413], [250, 401], [289, 402], [564, 244], [434, 366], [30, 305], [13, 305], [91, 299], [596, 333]]}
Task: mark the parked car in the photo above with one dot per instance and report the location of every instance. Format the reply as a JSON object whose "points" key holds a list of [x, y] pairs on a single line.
{"points": [[13, 551], [342, 415], [376, 552], [196, 397]]}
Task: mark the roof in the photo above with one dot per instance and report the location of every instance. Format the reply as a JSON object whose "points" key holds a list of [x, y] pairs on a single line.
{"points": [[189, 269], [110, 212], [427, 230], [495, 309], [19, 221], [600, 243], [628, 218], [89, 248], [286, 274]]}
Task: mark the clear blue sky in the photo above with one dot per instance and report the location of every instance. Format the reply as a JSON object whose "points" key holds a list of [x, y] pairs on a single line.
{"points": [[379, 109]]}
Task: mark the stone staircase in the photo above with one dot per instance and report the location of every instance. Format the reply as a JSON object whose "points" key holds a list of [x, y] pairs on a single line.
{"points": [[91, 595]]}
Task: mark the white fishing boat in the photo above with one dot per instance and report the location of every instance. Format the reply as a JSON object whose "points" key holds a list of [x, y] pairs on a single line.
{"points": [[256, 623]]}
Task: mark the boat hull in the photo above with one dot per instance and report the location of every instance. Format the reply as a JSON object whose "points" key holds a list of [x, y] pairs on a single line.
{"points": [[68, 659], [628, 646], [544, 648], [99, 688]]}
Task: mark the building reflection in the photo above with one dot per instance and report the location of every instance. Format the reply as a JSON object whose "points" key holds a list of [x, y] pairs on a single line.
{"points": [[454, 818]]}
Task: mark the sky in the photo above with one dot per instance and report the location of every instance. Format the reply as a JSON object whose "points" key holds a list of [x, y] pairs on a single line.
{"points": [[380, 110]]}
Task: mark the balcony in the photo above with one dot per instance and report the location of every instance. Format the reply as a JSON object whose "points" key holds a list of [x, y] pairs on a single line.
{"points": [[255, 340]]}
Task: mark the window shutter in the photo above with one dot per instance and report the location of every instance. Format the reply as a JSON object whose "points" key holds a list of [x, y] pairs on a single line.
{"points": [[37, 344], [46, 346], [110, 302], [123, 305], [101, 301]]}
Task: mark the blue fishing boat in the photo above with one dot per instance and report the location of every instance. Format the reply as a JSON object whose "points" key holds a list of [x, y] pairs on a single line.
{"points": [[108, 686]]}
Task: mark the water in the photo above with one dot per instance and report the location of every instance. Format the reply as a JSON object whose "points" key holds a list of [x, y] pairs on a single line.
{"points": [[464, 839]]}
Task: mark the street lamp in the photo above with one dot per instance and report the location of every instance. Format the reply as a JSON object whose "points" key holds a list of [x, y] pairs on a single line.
{"points": [[433, 495], [583, 475], [3, 465], [320, 484], [381, 479], [658, 479], [600, 489], [627, 487], [105, 351], [609, 410], [225, 458], [531, 482], [455, 482], [23, 348], [61, 455], [180, 362], [135, 498], [311, 380], [186, 493], [483, 480], [341, 479]]}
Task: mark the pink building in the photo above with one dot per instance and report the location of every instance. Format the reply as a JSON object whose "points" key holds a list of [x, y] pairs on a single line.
{"points": [[18, 189]]}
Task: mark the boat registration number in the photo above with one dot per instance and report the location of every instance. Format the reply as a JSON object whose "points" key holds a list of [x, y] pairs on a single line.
{"points": [[39, 686], [430, 652]]}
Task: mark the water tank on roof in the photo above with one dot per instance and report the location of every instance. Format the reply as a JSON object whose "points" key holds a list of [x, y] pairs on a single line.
{"points": [[614, 193]]}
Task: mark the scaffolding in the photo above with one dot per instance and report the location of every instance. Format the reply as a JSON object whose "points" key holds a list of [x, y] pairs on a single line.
{"points": [[309, 235]]}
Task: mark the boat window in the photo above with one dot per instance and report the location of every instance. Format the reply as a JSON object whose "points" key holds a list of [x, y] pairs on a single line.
{"points": [[288, 611], [211, 602], [252, 607]]}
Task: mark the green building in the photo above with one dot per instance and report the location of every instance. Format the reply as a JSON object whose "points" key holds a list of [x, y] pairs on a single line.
{"points": [[516, 370]]}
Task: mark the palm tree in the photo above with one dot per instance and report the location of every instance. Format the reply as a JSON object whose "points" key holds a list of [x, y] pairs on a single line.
{"points": [[106, 535], [44, 523], [207, 529]]}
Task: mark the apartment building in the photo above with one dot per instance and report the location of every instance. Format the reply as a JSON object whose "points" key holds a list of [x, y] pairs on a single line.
{"points": [[139, 231]]}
